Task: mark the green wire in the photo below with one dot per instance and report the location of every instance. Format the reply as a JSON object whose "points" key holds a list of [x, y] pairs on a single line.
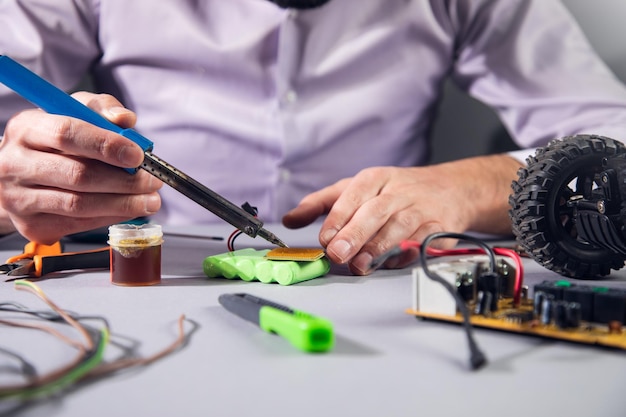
{"points": [[68, 378], [92, 360]]}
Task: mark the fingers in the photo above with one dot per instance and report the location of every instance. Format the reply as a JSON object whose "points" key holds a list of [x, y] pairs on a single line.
{"points": [[355, 193], [399, 226], [410, 255], [45, 214], [61, 175], [54, 171], [303, 215], [109, 107], [25, 200], [48, 228], [377, 209], [313, 206], [361, 213], [46, 133]]}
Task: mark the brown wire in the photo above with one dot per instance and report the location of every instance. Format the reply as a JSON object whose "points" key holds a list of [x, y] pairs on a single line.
{"points": [[107, 368], [83, 349], [42, 380]]}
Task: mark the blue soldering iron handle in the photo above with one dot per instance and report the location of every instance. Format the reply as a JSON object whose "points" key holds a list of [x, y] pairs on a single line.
{"points": [[55, 101]]}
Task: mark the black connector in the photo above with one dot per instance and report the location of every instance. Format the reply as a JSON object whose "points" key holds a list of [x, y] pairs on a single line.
{"points": [[477, 359]]}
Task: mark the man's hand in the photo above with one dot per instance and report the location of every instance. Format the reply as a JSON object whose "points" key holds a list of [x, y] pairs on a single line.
{"points": [[60, 175], [373, 211]]}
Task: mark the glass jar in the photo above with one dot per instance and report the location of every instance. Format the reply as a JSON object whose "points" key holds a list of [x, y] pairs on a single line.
{"points": [[135, 254]]}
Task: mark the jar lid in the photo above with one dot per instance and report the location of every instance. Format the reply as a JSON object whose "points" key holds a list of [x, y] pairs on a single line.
{"points": [[125, 234]]}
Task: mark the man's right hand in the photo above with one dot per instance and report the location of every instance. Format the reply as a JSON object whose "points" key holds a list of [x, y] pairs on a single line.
{"points": [[60, 175]]}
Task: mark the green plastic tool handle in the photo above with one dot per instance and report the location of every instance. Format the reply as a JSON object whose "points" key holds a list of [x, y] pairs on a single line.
{"points": [[302, 330]]}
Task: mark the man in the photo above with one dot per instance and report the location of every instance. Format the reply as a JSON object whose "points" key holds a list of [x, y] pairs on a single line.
{"points": [[322, 111]]}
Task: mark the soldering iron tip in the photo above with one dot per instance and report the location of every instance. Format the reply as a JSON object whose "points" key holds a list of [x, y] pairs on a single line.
{"points": [[271, 237]]}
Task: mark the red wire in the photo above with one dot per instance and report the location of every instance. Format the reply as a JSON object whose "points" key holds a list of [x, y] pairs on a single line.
{"points": [[231, 240], [517, 260]]}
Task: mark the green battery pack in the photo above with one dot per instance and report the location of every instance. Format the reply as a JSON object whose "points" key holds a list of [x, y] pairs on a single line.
{"points": [[252, 265]]}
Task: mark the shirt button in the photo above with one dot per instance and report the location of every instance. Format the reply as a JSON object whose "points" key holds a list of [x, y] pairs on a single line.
{"points": [[290, 97], [285, 175], [292, 14]]}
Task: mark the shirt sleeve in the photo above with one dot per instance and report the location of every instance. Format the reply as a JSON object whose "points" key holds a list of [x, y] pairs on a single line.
{"points": [[530, 61], [56, 39]]}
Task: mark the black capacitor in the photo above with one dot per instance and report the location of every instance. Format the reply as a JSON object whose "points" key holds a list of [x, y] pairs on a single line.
{"points": [[538, 298], [555, 288], [584, 295], [490, 282], [483, 303], [609, 305], [546, 310], [466, 288], [574, 315], [560, 314]]}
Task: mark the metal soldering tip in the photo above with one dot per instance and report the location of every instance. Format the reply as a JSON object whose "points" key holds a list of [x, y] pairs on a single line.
{"points": [[271, 237]]}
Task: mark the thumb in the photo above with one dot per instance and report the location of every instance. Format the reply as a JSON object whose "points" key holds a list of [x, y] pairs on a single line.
{"points": [[109, 107]]}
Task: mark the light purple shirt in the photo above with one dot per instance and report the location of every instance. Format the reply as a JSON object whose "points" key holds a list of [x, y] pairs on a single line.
{"points": [[266, 105]]}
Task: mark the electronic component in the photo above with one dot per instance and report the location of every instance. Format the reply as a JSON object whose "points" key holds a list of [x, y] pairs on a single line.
{"points": [[470, 277], [295, 254], [253, 265], [430, 296], [558, 310]]}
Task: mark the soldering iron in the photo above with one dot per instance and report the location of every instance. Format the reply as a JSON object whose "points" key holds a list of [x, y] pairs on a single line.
{"points": [[55, 101]]}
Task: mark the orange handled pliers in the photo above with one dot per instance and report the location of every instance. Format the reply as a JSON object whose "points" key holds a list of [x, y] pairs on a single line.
{"points": [[38, 260]]}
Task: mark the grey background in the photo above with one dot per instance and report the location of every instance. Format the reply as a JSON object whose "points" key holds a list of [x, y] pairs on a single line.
{"points": [[460, 116]]}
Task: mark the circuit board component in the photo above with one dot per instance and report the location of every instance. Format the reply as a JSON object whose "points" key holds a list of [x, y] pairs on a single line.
{"points": [[295, 254], [560, 310]]}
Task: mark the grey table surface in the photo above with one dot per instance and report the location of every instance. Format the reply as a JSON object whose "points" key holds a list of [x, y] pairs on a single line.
{"points": [[385, 362]]}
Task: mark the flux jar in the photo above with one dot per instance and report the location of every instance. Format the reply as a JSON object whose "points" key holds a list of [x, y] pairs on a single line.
{"points": [[135, 254]]}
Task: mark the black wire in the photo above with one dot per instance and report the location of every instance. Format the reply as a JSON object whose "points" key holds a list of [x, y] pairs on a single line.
{"points": [[477, 357], [378, 261], [26, 368], [250, 209], [48, 315], [231, 241], [96, 339]]}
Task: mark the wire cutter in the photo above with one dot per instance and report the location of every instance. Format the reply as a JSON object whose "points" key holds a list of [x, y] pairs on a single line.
{"points": [[38, 260]]}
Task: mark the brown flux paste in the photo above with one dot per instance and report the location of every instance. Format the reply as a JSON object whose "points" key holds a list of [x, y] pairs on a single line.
{"points": [[135, 254]]}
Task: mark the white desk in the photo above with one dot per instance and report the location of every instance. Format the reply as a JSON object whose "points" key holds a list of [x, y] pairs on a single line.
{"points": [[385, 363]]}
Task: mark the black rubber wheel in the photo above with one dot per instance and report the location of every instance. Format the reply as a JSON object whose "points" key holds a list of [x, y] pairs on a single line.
{"points": [[542, 222]]}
